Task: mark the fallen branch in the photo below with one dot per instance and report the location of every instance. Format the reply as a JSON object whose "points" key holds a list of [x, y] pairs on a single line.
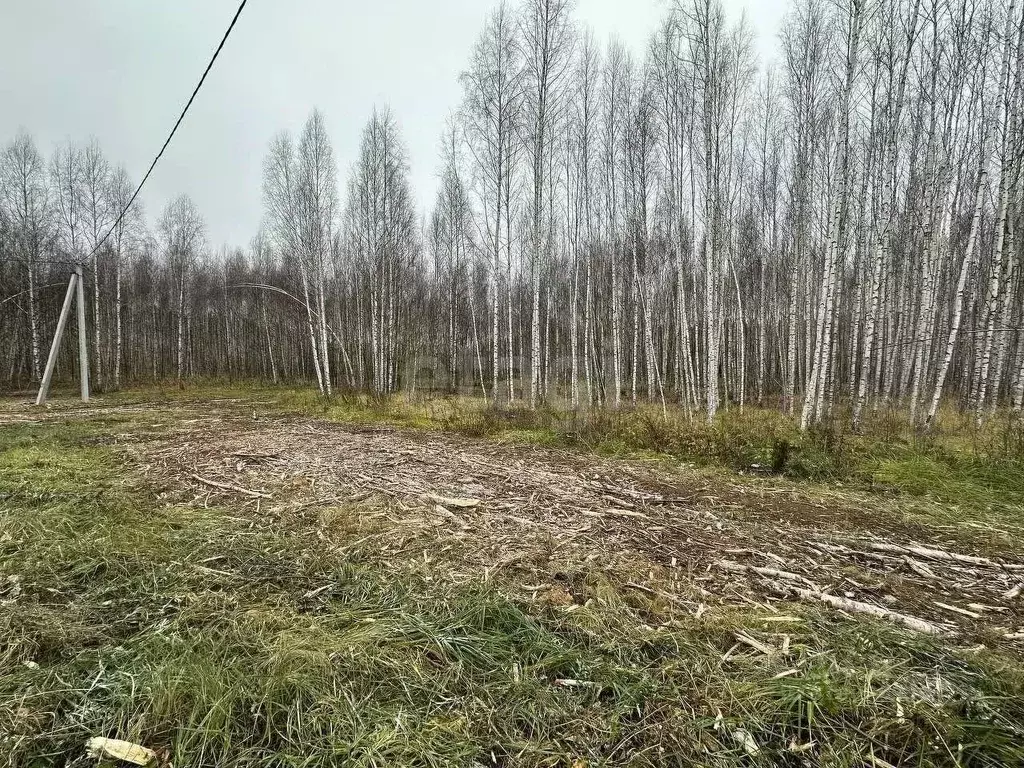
{"points": [[932, 554], [230, 487], [626, 513], [984, 608], [855, 606], [453, 502], [919, 568], [757, 645], [956, 609], [640, 588], [731, 565]]}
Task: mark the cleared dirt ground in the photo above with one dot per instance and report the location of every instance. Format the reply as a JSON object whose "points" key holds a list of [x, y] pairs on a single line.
{"points": [[235, 581], [529, 518]]}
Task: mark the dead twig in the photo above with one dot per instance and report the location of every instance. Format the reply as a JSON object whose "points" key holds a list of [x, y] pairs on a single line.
{"points": [[229, 487], [730, 565]]}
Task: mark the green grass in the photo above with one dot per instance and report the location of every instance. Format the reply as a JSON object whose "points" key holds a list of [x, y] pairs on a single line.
{"points": [[221, 639]]}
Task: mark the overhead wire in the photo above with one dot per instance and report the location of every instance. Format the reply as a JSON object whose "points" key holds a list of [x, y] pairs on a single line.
{"points": [[170, 136]]}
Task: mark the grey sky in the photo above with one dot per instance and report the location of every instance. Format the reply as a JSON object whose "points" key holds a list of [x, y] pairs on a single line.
{"points": [[120, 70]]}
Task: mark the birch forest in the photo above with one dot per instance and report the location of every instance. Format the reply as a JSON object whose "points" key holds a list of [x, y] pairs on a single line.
{"points": [[828, 232]]}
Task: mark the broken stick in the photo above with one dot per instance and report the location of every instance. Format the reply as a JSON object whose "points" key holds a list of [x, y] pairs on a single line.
{"points": [[230, 487]]}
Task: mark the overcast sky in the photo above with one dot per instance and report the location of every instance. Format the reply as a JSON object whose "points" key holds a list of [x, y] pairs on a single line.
{"points": [[121, 70]]}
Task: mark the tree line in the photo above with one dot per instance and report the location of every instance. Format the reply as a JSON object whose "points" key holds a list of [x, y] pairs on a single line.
{"points": [[829, 232]]}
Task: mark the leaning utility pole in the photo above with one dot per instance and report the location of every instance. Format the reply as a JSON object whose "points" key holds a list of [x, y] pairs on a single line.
{"points": [[75, 291]]}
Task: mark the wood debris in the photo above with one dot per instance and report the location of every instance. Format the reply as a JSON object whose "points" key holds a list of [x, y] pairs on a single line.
{"points": [[957, 609], [449, 501], [229, 487], [114, 749], [496, 508], [729, 565], [757, 645], [855, 606], [745, 740], [933, 554]]}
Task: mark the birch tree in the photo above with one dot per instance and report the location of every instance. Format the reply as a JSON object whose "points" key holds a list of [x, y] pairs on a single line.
{"points": [[182, 234], [317, 207], [491, 111], [814, 401], [26, 201]]}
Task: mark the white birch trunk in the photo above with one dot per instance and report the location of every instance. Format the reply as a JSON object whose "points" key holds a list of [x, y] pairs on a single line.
{"points": [[958, 300], [118, 323], [616, 324]]}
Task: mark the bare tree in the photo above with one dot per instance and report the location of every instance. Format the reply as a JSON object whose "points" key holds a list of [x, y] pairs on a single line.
{"points": [[182, 235], [126, 237], [282, 203], [316, 182], [97, 216], [546, 54], [26, 201], [381, 227]]}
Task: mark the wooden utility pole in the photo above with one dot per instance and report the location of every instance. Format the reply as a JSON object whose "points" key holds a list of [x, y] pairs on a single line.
{"points": [[75, 291], [83, 343]]}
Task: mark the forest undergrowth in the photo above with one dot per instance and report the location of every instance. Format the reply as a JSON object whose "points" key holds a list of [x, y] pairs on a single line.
{"points": [[221, 628]]}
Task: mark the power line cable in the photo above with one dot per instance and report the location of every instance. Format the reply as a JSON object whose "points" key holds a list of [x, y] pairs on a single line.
{"points": [[173, 130]]}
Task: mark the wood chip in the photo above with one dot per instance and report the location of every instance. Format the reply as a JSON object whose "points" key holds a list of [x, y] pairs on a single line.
{"points": [[566, 682], [745, 740], [757, 645], [115, 749], [796, 747], [314, 592]]}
